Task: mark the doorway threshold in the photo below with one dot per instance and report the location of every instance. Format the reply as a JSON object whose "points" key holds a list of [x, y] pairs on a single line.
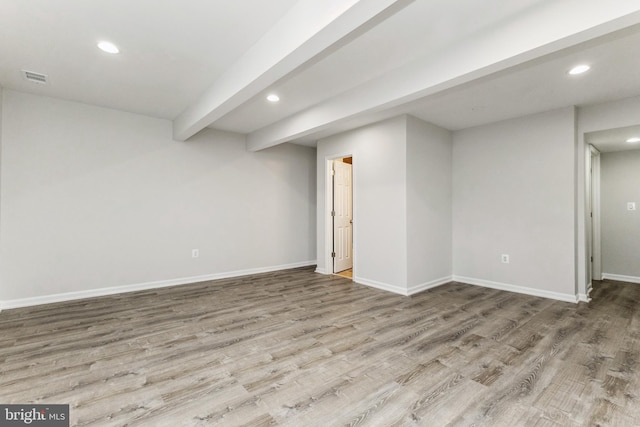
{"points": [[346, 273]]}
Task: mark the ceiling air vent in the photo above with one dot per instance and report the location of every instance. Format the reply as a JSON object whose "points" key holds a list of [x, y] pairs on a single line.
{"points": [[35, 77]]}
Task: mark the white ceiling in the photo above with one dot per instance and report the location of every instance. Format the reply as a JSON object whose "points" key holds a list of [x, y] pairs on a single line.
{"points": [[419, 29], [541, 85], [610, 140], [453, 63], [171, 51]]}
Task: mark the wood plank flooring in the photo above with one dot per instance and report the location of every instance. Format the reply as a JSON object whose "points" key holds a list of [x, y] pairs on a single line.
{"points": [[295, 348]]}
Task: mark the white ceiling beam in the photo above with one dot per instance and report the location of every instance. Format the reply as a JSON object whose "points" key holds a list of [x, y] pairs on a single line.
{"points": [[309, 29], [540, 32]]}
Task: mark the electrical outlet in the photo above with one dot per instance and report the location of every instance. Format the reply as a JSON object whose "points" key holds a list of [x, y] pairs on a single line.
{"points": [[195, 253], [631, 206], [505, 258]]}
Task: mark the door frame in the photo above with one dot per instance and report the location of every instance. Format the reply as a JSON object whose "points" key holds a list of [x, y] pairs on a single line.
{"points": [[593, 205], [329, 206]]}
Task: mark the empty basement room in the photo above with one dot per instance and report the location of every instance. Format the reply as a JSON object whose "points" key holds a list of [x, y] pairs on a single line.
{"points": [[319, 213]]}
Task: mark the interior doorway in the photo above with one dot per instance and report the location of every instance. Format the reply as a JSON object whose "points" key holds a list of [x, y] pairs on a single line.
{"points": [[342, 216], [611, 191]]}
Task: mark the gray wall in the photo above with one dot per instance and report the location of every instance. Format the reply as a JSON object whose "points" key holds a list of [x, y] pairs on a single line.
{"points": [[1, 115], [94, 198], [429, 197], [620, 184], [402, 203], [379, 178], [513, 193]]}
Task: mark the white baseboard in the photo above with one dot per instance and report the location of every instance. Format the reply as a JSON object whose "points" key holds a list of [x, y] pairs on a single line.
{"points": [[379, 285], [70, 296], [399, 289], [321, 270], [586, 297], [621, 278], [519, 289], [428, 285]]}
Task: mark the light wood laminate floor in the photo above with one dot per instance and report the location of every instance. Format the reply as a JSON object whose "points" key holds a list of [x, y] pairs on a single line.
{"points": [[300, 349], [346, 273]]}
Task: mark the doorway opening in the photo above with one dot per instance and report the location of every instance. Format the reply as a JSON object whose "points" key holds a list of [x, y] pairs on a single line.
{"points": [[342, 216]]}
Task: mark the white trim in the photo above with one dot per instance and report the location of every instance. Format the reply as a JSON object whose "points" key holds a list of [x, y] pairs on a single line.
{"points": [[621, 278], [584, 298], [596, 234], [519, 289], [70, 296], [380, 285], [399, 289], [328, 224], [321, 270], [429, 285]]}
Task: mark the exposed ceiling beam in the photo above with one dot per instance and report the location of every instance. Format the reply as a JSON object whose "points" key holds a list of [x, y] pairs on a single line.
{"points": [[309, 29], [516, 42]]}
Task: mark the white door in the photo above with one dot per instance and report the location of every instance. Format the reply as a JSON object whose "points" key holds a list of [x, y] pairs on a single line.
{"points": [[343, 217]]}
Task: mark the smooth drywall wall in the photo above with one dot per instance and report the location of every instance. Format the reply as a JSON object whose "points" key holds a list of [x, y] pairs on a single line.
{"points": [[94, 198], [429, 197], [620, 185], [1, 102], [379, 202], [513, 193]]}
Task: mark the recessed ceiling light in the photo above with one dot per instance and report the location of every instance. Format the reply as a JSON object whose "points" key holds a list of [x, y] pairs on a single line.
{"points": [[579, 69], [634, 139], [273, 98], [108, 47]]}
